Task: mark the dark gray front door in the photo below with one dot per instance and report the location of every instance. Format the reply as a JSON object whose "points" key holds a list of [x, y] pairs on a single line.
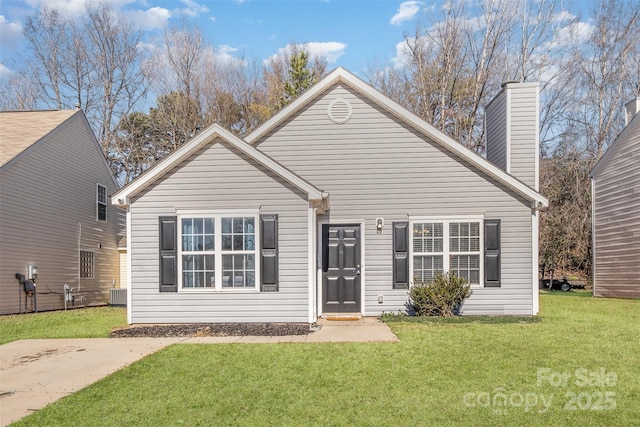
{"points": [[341, 268]]}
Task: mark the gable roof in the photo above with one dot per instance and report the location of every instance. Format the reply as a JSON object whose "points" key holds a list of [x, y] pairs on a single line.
{"points": [[340, 75], [19, 130], [123, 196], [634, 125]]}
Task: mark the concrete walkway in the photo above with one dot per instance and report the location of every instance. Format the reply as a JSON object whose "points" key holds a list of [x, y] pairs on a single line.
{"points": [[35, 373]]}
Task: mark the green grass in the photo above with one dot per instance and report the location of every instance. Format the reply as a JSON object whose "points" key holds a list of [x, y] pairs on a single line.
{"points": [[422, 380], [93, 322]]}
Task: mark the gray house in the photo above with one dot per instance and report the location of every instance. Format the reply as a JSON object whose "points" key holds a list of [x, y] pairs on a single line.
{"points": [[336, 205], [615, 185], [54, 211]]}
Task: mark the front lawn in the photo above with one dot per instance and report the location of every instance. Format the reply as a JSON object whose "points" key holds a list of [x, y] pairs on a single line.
{"points": [[576, 365], [95, 322]]}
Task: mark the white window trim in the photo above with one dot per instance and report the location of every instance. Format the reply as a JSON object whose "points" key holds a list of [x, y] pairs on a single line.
{"points": [[98, 202], [218, 252], [446, 220]]}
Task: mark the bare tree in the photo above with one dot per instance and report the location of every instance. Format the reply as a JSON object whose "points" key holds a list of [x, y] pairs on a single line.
{"points": [[604, 72], [116, 63]]}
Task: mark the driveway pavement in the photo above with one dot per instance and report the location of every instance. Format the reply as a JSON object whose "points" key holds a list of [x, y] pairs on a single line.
{"points": [[35, 373]]}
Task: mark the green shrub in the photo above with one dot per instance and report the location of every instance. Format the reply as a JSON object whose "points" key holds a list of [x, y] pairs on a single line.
{"points": [[439, 297]]}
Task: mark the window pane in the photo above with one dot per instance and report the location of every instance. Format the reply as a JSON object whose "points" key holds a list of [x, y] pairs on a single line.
{"points": [[237, 243], [425, 268], [238, 271], [187, 279], [208, 226], [467, 266], [237, 225], [187, 226], [250, 262], [249, 242], [427, 237], [248, 225], [198, 243], [198, 271], [211, 281], [226, 242], [474, 244], [251, 279], [209, 243], [418, 242], [226, 225]]}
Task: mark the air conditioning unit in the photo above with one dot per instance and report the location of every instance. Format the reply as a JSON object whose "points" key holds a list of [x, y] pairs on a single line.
{"points": [[118, 297]]}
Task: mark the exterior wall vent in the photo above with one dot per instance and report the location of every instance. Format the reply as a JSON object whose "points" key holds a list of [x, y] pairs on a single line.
{"points": [[339, 111]]}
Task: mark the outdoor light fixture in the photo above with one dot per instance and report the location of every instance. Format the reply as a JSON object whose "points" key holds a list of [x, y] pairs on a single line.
{"points": [[379, 225]]}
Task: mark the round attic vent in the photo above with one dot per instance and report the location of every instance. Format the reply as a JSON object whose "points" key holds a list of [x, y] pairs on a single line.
{"points": [[339, 111]]}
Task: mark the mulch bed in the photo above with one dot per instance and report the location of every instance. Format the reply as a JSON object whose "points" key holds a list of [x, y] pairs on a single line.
{"points": [[213, 330]]}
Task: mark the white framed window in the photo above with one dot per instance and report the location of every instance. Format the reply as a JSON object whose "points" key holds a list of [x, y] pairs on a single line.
{"points": [[86, 265], [101, 200], [441, 245], [218, 251]]}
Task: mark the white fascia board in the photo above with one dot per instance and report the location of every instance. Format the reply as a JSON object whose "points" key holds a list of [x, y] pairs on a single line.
{"points": [[123, 196], [342, 75]]}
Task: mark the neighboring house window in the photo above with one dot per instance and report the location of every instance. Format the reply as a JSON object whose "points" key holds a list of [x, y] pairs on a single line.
{"points": [[218, 252], [86, 265], [446, 245], [101, 196]]}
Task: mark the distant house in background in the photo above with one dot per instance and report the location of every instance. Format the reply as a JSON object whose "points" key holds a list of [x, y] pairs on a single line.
{"points": [[335, 206], [615, 184], [55, 212]]}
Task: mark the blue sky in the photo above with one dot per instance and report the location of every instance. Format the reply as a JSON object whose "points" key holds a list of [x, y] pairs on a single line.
{"points": [[350, 33]]}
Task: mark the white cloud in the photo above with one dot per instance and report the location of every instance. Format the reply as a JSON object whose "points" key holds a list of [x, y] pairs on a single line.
{"points": [[5, 72], [331, 51], [10, 32], [74, 8], [563, 16], [402, 53], [193, 9], [212, 18], [225, 54], [577, 32], [406, 11], [155, 17]]}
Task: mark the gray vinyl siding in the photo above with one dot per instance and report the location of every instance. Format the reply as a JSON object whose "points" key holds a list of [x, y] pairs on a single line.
{"points": [[375, 166], [616, 218], [496, 131], [218, 177], [48, 214], [523, 133]]}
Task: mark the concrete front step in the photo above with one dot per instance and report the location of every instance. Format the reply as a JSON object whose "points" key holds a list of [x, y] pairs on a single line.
{"points": [[333, 317]]}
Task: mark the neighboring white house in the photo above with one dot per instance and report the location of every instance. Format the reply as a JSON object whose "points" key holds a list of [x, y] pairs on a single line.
{"points": [[55, 212], [615, 184], [336, 205]]}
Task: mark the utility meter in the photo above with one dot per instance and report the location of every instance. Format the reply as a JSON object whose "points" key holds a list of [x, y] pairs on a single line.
{"points": [[32, 272]]}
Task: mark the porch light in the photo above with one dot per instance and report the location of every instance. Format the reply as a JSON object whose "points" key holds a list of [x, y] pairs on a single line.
{"points": [[379, 225]]}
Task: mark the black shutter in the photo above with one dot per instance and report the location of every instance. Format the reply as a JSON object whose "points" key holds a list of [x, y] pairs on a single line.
{"points": [[168, 254], [269, 253], [492, 253], [400, 255]]}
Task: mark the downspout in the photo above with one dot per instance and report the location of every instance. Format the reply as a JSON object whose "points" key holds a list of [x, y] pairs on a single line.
{"points": [[593, 235], [129, 282], [535, 261], [79, 243], [311, 248]]}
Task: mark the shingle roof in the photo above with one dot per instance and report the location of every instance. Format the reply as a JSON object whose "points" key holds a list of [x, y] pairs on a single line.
{"points": [[21, 129]]}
